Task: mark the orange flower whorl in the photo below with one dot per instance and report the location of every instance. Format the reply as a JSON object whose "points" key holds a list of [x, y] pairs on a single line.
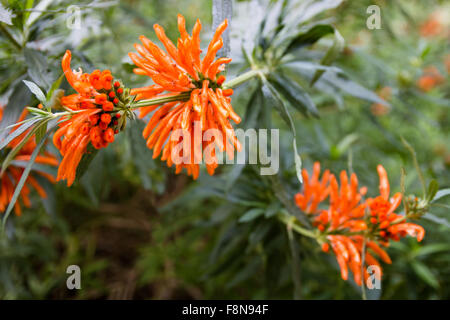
{"points": [[343, 223], [178, 70], [95, 120]]}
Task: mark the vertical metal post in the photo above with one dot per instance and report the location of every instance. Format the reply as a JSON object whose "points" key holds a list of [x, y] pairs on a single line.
{"points": [[221, 10]]}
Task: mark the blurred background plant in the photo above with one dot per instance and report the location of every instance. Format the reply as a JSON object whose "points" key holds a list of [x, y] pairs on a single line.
{"points": [[137, 230]]}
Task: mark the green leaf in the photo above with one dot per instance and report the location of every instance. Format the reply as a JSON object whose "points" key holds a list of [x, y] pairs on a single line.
{"points": [[425, 274], [38, 68], [331, 55], [87, 158], [26, 14], [433, 188], [19, 98], [35, 90], [251, 215], [435, 219], [11, 155], [22, 180], [273, 98], [36, 166], [6, 15], [141, 155], [40, 132], [345, 143], [309, 37], [55, 100], [432, 248], [39, 10], [352, 88], [295, 94], [272, 209], [314, 8], [55, 86], [19, 130], [441, 193], [416, 165]]}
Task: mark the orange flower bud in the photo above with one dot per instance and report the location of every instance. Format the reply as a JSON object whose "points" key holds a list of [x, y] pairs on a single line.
{"points": [[106, 118], [103, 125], [108, 106], [108, 135], [101, 98]]}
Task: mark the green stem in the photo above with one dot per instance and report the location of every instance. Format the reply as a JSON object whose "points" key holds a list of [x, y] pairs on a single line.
{"points": [[295, 263], [242, 78], [363, 261], [290, 222], [151, 102], [416, 165]]}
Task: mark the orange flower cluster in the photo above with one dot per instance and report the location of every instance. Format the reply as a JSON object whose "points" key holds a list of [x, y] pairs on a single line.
{"points": [[12, 175], [96, 121], [431, 27], [383, 220], [379, 109], [343, 222], [182, 70], [431, 78]]}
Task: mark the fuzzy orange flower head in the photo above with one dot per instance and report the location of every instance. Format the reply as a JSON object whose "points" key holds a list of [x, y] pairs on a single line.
{"points": [[315, 190], [431, 78], [10, 178], [343, 211], [207, 112], [342, 219], [383, 221], [432, 26], [96, 118]]}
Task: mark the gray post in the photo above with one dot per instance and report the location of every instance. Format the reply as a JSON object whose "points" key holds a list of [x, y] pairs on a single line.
{"points": [[221, 10]]}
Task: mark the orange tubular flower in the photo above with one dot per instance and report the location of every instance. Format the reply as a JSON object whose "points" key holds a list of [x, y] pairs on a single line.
{"points": [[95, 121], [182, 70], [314, 190], [344, 208], [343, 221], [383, 221], [13, 173]]}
